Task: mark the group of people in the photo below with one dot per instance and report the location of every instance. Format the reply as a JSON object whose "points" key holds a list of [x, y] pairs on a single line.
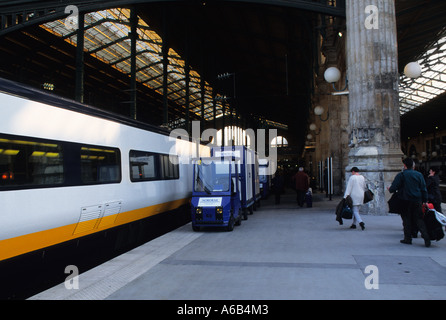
{"points": [[301, 183], [414, 190]]}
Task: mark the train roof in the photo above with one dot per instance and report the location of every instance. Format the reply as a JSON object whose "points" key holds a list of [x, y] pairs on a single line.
{"points": [[37, 95]]}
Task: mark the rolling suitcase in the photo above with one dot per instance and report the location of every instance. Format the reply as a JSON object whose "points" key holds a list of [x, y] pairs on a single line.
{"points": [[434, 227], [309, 198]]}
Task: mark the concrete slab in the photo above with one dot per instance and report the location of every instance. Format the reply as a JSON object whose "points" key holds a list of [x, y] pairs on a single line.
{"points": [[411, 270], [282, 252]]}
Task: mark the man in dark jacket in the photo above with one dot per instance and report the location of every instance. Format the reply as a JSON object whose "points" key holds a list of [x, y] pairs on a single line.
{"points": [[301, 180], [413, 187]]}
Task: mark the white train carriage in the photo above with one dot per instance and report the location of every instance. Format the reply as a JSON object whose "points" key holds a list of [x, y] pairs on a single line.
{"points": [[67, 171]]}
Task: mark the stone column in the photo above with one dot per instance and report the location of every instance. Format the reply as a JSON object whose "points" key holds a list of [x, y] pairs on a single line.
{"points": [[374, 119]]}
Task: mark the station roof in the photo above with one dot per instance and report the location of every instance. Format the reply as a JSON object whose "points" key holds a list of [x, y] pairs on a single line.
{"points": [[107, 39], [266, 50], [422, 38]]}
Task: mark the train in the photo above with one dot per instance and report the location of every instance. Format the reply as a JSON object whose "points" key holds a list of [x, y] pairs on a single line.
{"points": [[73, 176]]}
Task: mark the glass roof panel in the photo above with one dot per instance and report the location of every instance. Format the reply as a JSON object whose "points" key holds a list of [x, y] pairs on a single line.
{"points": [[431, 83], [107, 38]]}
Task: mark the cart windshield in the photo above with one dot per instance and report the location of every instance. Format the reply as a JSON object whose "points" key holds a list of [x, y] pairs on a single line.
{"points": [[212, 176]]}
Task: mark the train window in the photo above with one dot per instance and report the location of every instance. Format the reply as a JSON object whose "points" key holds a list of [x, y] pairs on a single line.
{"points": [[143, 166], [170, 167], [100, 165], [149, 166], [27, 162]]}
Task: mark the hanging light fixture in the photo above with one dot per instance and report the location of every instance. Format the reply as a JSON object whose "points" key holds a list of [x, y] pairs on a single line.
{"points": [[313, 128], [318, 110], [332, 75], [412, 70]]}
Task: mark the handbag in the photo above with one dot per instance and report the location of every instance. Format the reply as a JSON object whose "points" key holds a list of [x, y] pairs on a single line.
{"points": [[396, 204], [347, 213], [368, 195]]}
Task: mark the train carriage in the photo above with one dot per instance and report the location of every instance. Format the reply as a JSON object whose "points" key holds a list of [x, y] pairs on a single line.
{"points": [[69, 171]]}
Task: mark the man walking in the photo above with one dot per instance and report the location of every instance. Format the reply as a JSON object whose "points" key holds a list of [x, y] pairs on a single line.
{"points": [[414, 193], [302, 183]]}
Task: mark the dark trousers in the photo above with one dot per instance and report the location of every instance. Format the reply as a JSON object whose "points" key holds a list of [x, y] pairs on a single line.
{"points": [[300, 197], [413, 219]]}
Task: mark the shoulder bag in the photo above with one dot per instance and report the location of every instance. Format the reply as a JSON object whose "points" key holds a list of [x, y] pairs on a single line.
{"points": [[396, 204], [368, 195]]}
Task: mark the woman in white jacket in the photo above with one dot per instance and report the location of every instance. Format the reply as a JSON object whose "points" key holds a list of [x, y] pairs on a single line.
{"points": [[355, 189]]}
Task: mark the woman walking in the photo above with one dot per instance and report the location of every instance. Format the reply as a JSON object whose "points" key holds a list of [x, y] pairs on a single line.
{"points": [[433, 188], [355, 189]]}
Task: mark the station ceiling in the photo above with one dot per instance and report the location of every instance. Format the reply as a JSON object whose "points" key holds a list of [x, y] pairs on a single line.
{"points": [[269, 50], [421, 37]]}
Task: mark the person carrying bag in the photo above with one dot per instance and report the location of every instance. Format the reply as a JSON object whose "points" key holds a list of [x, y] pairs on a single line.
{"points": [[396, 202], [355, 189], [343, 210], [414, 196], [368, 194]]}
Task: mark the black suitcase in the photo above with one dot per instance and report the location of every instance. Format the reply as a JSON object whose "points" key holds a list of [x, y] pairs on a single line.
{"points": [[434, 228]]}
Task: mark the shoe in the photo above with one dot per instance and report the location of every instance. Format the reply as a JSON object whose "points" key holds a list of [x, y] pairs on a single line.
{"points": [[353, 226], [406, 241], [427, 242], [362, 225]]}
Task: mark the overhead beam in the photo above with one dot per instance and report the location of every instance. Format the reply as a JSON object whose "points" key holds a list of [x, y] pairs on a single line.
{"points": [[80, 66], [16, 15], [133, 39]]}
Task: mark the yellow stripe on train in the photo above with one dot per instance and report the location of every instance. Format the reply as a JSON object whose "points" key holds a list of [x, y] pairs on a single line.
{"points": [[12, 247]]}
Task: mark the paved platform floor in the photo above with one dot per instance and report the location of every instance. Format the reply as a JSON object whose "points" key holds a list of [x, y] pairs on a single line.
{"points": [[281, 252]]}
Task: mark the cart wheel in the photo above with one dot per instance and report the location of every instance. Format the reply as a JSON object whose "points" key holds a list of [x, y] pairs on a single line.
{"points": [[245, 214], [251, 209], [239, 218], [195, 228], [231, 223]]}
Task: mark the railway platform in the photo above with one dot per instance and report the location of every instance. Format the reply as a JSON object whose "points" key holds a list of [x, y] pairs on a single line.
{"points": [[282, 252]]}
